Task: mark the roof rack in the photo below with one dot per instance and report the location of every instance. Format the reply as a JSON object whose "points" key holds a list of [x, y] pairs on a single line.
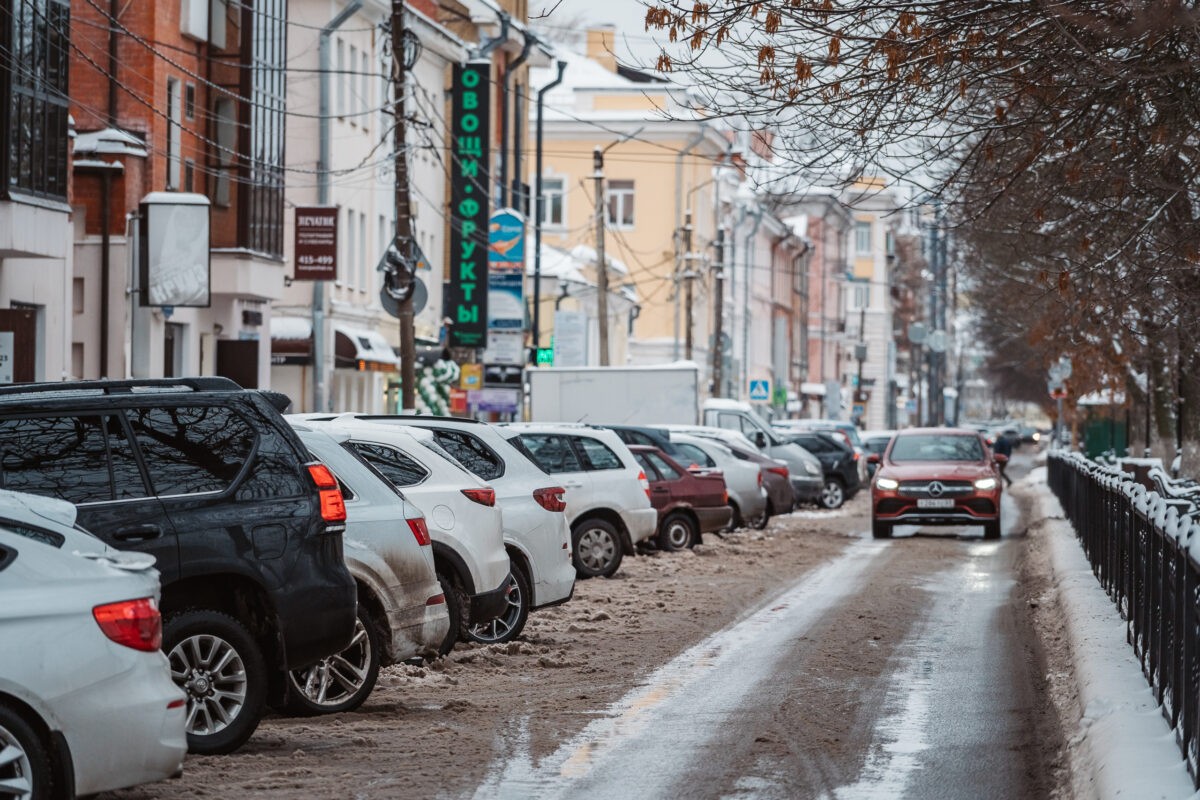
{"points": [[108, 387], [418, 417]]}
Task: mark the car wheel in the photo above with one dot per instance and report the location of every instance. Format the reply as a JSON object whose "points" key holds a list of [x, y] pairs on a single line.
{"points": [[991, 530], [219, 666], [508, 625], [597, 548], [340, 682], [760, 522], [25, 772], [833, 494], [677, 532], [458, 607], [736, 520], [881, 530]]}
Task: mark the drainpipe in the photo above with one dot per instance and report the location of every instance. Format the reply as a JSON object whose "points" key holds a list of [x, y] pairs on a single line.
{"points": [[679, 222], [538, 212], [106, 191], [506, 92], [323, 169], [739, 379], [748, 265]]}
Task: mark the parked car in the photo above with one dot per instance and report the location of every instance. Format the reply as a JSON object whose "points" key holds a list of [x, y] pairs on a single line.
{"points": [[87, 703], [209, 479], [838, 461], [608, 495], [536, 533], [743, 478], [804, 471], [647, 435], [937, 476], [875, 442], [401, 607], [803, 467], [688, 504], [843, 429], [460, 512]]}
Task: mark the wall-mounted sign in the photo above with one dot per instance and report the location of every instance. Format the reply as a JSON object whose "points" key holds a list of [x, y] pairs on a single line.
{"points": [[506, 241], [173, 251], [570, 339], [505, 347], [470, 376], [502, 401], [316, 243], [506, 301], [6, 356], [466, 293]]}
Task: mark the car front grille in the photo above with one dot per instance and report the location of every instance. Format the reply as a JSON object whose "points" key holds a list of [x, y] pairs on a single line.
{"points": [[949, 488]]}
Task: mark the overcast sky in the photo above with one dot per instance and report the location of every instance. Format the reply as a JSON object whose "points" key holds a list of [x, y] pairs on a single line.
{"points": [[634, 44]]}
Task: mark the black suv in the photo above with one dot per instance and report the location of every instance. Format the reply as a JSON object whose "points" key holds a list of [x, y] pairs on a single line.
{"points": [[837, 462], [208, 478]]}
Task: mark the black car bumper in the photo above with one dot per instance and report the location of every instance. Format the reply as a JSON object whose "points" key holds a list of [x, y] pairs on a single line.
{"points": [[807, 489], [486, 606]]}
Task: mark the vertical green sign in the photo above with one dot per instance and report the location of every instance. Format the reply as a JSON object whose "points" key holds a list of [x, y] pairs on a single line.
{"points": [[467, 290]]}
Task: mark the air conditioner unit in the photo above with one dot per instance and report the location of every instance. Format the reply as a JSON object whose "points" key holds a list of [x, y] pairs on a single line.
{"points": [[193, 19]]}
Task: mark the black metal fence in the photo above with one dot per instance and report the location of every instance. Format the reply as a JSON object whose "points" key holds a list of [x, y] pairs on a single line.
{"points": [[1144, 549]]}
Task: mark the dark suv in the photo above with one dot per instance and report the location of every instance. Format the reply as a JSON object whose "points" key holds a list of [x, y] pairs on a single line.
{"points": [[208, 478], [838, 462]]}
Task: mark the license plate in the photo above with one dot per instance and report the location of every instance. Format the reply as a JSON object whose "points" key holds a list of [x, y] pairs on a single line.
{"points": [[938, 503]]}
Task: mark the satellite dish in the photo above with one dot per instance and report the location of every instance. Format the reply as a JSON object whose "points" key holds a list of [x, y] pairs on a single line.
{"points": [[917, 332], [420, 298]]}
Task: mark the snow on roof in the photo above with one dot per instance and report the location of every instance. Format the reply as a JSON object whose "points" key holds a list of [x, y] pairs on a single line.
{"points": [[291, 328], [799, 225]]}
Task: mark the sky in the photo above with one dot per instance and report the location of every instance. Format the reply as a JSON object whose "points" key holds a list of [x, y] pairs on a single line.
{"points": [[634, 43]]}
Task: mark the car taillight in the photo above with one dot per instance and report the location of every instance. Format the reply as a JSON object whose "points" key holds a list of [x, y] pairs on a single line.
{"points": [[436, 600], [132, 623], [485, 496], [551, 498], [419, 529], [781, 471], [760, 479], [726, 497], [333, 505], [645, 484]]}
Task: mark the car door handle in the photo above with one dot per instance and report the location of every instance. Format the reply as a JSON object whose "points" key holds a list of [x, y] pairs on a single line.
{"points": [[660, 490], [572, 485], [137, 533]]}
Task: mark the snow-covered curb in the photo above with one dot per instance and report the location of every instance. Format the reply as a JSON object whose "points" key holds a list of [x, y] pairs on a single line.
{"points": [[1123, 743]]}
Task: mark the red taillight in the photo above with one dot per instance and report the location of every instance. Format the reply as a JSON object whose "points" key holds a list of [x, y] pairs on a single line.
{"points": [[645, 484], [781, 471], [419, 529], [133, 623], [485, 496], [760, 479], [436, 600], [551, 498], [726, 497], [333, 505]]}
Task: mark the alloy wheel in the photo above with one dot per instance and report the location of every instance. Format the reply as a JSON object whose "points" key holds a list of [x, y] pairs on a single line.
{"points": [[335, 678], [596, 548], [832, 495], [213, 675], [679, 535], [498, 629], [16, 771]]}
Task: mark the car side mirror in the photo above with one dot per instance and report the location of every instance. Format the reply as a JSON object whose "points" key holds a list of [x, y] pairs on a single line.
{"points": [[1000, 458], [874, 458], [760, 439]]}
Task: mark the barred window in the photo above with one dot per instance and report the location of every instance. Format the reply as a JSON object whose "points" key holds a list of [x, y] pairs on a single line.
{"points": [[36, 55]]}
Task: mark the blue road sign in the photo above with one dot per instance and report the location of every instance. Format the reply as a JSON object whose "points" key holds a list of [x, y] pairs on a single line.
{"points": [[760, 390]]}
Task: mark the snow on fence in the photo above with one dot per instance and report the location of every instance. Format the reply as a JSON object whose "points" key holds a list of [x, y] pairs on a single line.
{"points": [[1144, 549]]}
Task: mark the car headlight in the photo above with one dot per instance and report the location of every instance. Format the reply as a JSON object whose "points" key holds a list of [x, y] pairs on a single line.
{"points": [[887, 484], [985, 484], [811, 468]]}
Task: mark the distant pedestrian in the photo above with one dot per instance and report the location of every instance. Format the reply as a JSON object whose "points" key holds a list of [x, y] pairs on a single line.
{"points": [[1003, 447]]}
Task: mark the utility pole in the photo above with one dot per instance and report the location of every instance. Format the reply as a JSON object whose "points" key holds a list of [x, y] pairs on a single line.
{"points": [[718, 353], [688, 275], [860, 353], [601, 264], [408, 345]]}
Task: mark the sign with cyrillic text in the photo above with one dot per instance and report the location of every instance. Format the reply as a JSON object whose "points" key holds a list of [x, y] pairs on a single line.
{"points": [[466, 291]]}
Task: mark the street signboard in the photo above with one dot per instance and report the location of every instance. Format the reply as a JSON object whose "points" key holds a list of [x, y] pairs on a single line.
{"points": [[6, 356], [505, 347], [466, 293], [506, 301], [760, 390], [316, 243], [502, 401], [174, 250], [570, 339], [506, 241], [470, 376], [779, 397]]}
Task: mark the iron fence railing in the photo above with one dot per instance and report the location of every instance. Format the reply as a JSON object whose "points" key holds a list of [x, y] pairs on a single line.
{"points": [[1144, 548]]}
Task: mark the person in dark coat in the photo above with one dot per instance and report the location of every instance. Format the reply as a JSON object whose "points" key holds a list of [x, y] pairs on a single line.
{"points": [[1003, 447]]}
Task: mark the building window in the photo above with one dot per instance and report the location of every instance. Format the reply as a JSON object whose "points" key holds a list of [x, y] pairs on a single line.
{"points": [[351, 247], [353, 101], [620, 204], [862, 238], [340, 94], [174, 132], [223, 112], [365, 93], [860, 296], [189, 175], [189, 101], [362, 252], [553, 202], [35, 59], [261, 193]]}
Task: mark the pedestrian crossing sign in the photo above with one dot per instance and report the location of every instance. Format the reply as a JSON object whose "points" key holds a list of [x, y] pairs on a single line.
{"points": [[760, 391]]}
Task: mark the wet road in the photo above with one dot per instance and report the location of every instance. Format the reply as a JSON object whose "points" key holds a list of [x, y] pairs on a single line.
{"points": [[897, 669]]}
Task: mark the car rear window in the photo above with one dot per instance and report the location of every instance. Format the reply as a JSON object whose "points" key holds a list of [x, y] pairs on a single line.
{"points": [[553, 453], [36, 534], [74, 458], [668, 472], [937, 447], [398, 468], [469, 451], [597, 455], [191, 449], [691, 452]]}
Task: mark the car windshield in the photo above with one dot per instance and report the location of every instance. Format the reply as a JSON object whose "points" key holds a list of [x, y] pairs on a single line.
{"points": [[937, 447]]}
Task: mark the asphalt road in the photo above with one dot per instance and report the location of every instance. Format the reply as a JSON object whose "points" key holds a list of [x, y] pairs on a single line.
{"points": [[900, 668]]}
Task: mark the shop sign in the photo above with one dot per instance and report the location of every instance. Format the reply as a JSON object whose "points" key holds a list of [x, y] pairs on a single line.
{"points": [[466, 292]]}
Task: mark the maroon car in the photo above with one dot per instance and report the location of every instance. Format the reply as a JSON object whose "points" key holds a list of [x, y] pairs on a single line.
{"points": [[689, 504]]}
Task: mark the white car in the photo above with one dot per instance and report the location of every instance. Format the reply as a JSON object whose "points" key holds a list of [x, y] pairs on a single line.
{"points": [[87, 703], [608, 496], [743, 479], [535, 526], [460, 512], [401, 607]]}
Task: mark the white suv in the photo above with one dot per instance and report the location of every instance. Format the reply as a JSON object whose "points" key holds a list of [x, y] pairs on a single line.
{"points": [[535, 528], [608, 496], [460, 512]]}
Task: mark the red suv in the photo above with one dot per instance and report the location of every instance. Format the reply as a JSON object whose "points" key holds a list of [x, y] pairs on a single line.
{"points": [[936, 476], [689, 503]]}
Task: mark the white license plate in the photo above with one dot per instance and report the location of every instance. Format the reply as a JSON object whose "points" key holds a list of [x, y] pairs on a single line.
{"points": [[938, 503]]}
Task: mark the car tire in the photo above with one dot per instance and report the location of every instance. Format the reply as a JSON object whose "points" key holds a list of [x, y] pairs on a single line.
{"points": [[677, 532], [508, 625], [881, 530], [27, 760], [350, 674], [193, 640], [735, 521], [595, 548], [991, 530], [762, 520], [458, 607], [833, 494]]}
